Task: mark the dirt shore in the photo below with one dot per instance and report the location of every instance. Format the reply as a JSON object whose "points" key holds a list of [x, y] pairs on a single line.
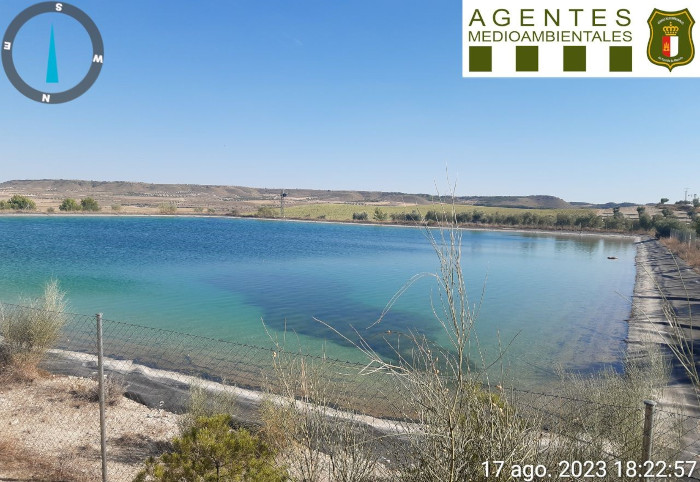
{"points": [[49, 432]]}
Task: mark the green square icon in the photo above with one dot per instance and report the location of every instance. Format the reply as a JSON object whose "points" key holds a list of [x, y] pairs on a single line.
{"points": [[621, 59], [526, 58], [479, 59], [574, 58]]}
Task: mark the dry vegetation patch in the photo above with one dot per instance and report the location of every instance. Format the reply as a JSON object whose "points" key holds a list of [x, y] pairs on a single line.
{"points": [[688, 252]]}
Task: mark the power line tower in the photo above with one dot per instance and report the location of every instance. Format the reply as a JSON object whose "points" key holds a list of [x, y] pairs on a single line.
{"points": [[686, 194], [282, 196]]}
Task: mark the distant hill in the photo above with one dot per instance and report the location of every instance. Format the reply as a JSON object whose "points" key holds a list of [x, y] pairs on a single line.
{"points": [[48, 192], [240, 193], [536, 202], [609, 205]]}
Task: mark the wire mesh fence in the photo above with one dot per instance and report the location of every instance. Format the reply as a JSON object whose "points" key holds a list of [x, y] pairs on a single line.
{"points": [[685, 236], [166, 375], [617, 433]]}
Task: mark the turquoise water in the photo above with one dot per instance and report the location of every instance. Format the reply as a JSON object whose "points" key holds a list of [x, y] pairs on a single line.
{"points": [[557, 298]]}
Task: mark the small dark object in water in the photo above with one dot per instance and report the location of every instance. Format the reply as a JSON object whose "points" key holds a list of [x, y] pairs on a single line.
{"points": [[612, 257]]}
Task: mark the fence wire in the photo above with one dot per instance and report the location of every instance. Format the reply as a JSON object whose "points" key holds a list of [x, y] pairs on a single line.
{"points": [[166, 374]]}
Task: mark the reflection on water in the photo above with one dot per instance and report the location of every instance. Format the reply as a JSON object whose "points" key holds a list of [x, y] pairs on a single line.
{"points": [[555, 297]]}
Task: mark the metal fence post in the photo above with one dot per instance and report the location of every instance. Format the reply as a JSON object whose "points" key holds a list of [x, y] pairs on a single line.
{"points": [[649, 406], [101, 375]]}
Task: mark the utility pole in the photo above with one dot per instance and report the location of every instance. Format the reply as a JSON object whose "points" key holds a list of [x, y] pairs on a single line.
{"points": [[282, 196], [686, 194]]}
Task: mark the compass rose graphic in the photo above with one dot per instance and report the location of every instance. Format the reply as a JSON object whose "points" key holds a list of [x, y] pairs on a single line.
{"points": [[96, 60]]}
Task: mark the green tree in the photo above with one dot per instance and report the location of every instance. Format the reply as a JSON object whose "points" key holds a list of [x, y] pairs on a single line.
{"points": [[664, 200], [21, 203], [696, 202], [564, 219], [588, 220], [212, 451], [645, 221], [379, 215], [89, 204], [667, 213], [665, 225], [69, 204]]}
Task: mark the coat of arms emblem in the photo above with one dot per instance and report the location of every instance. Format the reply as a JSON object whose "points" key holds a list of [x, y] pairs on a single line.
{"points": [[670, 39]]}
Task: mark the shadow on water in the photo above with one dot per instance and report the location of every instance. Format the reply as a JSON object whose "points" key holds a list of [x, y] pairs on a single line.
{"points": [[334, 306]]}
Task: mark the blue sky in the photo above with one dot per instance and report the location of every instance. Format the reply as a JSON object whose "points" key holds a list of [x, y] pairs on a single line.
{"points": [[333, 94]]}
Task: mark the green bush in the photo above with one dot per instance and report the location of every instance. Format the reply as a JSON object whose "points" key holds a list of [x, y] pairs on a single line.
{"points": [[212, 451], [359, 216], [21, 203], [89, 204], [564, 219], [435, 216], [413, 216], [379, 215], [69, 204], [664, 226], [116, 207], [265, 212], [588, 220], [463, 218]]}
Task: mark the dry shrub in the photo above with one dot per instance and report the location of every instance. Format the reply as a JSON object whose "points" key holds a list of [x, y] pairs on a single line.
{"points": [[318, 441], [89, 389], [29, 331], [14, 370], [688, 252], [600, 417], [455, 416], [20, 463], [137, 447], [167, 208], [205, 402]]}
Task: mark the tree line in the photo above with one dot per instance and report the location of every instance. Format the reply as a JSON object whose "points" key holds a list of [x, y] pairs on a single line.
{"points": [[661, 223], [23, 203]]}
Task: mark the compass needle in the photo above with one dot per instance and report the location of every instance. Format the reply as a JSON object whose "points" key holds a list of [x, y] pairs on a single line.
{"points": [[52, 68]]}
